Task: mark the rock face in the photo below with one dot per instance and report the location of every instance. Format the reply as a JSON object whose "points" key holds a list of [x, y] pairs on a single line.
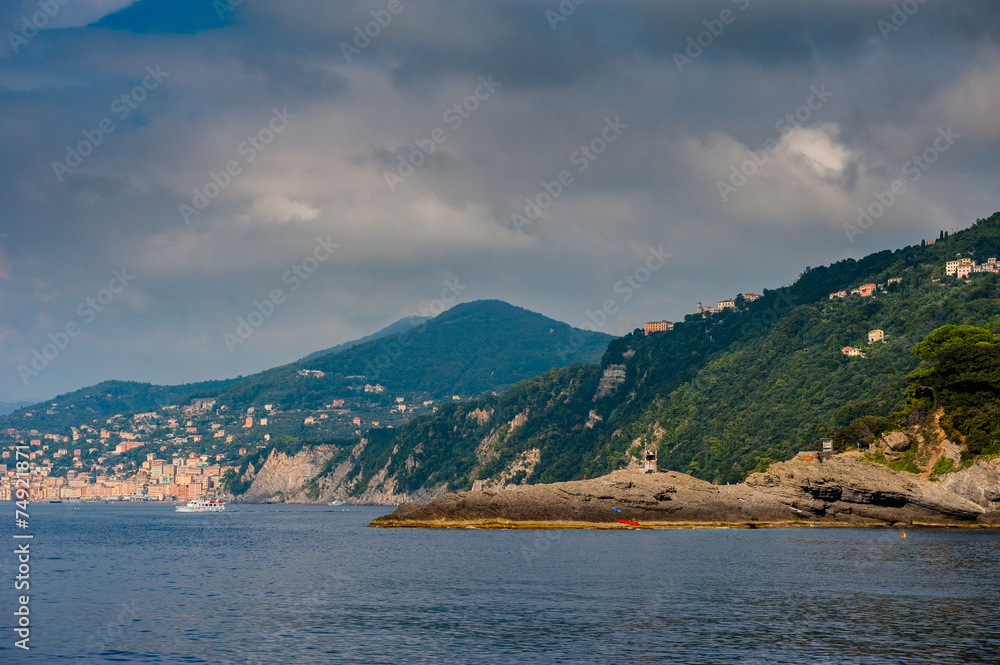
{"points": [[845, 488], [979, 483], [286, 479], [842, 489], [284, 474]]}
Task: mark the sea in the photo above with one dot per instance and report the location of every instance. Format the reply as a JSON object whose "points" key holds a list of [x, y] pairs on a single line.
{"points": [[141, 583]]}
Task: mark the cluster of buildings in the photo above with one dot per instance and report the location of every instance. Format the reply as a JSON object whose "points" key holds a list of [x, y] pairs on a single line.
{"points": [[965, 267], [728, 303], [865, 291], [179, 479], [876, 335], [92, 461]]}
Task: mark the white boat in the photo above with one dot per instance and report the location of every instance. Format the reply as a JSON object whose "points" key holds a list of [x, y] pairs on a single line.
{"points": [[203, 506], [335, 502]]}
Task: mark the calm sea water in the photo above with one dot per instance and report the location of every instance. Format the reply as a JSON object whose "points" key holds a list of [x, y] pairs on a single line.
{"points": [[315, 584]]}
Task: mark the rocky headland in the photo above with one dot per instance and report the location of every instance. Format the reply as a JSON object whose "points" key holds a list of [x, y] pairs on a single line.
{"points": [[841, 490]]}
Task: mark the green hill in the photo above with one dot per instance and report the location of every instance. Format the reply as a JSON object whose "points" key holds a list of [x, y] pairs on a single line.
{"points": [[11, 407], [99, 402], [470, 349], [400, 326], [719, 395]]}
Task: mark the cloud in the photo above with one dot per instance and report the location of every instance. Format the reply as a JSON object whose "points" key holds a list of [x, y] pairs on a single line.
{"points": [[818, 147], [278, 208], [324, 175]]}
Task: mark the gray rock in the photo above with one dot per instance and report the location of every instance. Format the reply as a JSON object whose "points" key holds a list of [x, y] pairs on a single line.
{"points": [[896, 441], [842, 489], [979, 483]]}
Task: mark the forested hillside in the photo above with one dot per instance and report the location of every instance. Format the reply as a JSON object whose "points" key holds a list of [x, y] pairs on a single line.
{"points": [[100, 401], [400, 326], [719, 395], [472, 348], [469, 349]]}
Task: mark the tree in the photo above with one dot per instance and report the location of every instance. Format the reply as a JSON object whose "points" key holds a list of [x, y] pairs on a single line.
{"points": [[950, 335]]}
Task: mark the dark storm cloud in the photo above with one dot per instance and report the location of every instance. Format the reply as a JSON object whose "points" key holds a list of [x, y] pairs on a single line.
{"points": [[843, 100]]}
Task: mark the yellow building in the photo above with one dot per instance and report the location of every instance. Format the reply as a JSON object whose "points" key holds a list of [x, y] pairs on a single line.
{"points": [[658, 326]]}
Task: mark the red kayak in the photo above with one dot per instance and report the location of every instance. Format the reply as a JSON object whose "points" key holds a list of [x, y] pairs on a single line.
{"points": [[629, 522]]}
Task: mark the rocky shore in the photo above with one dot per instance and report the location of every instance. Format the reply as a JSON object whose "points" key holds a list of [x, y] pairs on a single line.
{"points": [[833, 490]]}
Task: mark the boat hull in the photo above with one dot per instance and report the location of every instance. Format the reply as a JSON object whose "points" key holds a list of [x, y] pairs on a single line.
{"points": [[201, 506]]}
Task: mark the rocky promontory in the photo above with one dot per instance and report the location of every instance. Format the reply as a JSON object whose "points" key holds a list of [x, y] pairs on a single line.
{"points": [[825, 490]]}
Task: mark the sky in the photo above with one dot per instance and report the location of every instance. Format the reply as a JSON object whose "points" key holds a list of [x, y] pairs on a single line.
{"points": [[200, 189]]}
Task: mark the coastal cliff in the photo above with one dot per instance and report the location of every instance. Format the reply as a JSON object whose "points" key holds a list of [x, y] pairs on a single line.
{"points": [[282, 476], [835, 490], [319, 475]]}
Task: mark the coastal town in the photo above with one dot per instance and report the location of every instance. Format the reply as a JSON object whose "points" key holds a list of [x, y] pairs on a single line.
{"points": [[136, 458], [174, 453]]}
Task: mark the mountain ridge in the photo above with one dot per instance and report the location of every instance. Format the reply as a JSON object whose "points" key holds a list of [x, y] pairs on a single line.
{"points": [[394, 328], [520, 343]]}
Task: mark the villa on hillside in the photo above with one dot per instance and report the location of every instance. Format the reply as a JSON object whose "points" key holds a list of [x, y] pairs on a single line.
{"points": [[876, 336], [658, 326], [852, 352], [865, 291], [964, 267]]}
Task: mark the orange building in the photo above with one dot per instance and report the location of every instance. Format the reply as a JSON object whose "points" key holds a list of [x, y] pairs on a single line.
{"points": [[658, 326]]}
